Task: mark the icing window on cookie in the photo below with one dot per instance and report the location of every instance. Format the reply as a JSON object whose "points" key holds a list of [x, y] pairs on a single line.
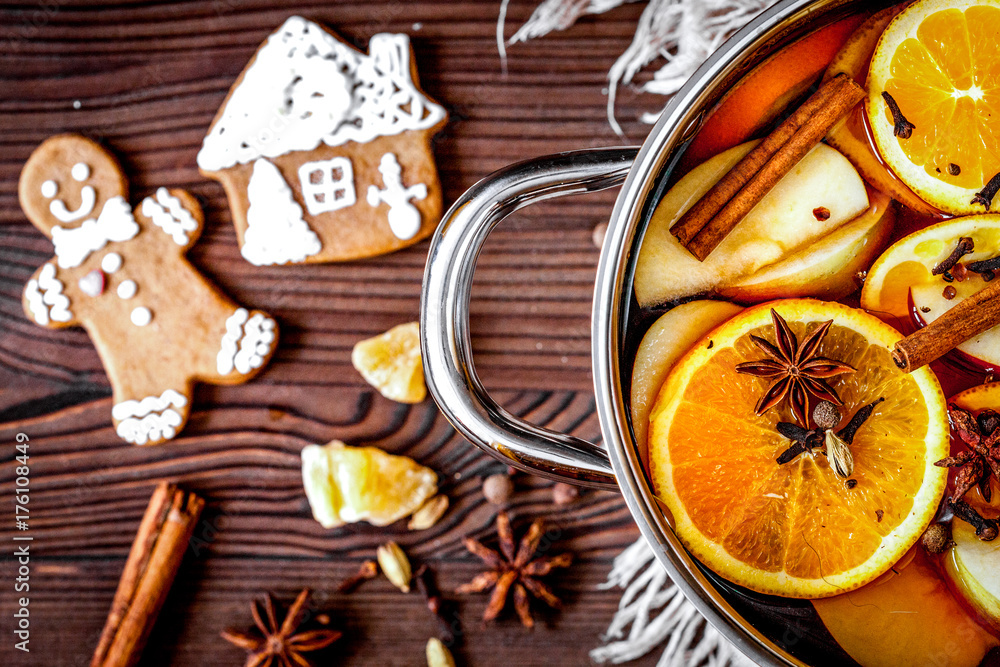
{"points": [[115, 223], [168, 213], [247, 342], [45, 298], [327, 185], [151, 419], [404, 217]]}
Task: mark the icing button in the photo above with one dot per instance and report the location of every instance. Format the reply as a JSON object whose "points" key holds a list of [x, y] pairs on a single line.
{"points": [[111, 262], [141, 316], [127, 289], [92, 284]]}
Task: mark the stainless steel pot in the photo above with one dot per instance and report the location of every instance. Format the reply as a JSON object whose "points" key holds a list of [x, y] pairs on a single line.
{"points": [[444, 309]]}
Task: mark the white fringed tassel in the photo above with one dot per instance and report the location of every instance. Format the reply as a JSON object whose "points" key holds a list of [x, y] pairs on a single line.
{"points": [[683, 32], [653, 610]]}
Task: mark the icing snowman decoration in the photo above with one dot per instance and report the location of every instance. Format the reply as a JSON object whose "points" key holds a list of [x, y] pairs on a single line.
{"points": [[158, 324], [404, 218]]}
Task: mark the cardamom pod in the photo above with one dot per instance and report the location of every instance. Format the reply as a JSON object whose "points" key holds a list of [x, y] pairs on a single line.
{"points": [[839, 454], [395, 565], [438, 654], [429, 513]]}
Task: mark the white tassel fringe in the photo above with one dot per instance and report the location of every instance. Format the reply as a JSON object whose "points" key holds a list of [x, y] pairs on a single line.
{"points": [[683, 32], [654, 610]]}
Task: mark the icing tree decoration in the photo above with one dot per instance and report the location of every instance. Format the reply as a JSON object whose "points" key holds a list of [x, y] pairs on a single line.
{"points": [[88, 196], [276, 232], [45, 297], [247, 341], [115, 223], [404, 218], [306, 88], [327, 185], [151, 419], [168, 213]]}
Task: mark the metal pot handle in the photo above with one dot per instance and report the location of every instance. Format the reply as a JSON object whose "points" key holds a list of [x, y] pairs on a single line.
{"points": [[444, 313]]}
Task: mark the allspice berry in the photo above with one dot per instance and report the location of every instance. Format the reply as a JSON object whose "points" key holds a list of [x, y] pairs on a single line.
{"points": [[498, 489], [936, 538], [600, 231], [564, 494], [826, 415]]}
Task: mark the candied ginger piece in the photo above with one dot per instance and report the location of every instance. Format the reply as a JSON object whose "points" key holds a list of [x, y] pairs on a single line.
{"points": [[348, 484], [391, 363]]}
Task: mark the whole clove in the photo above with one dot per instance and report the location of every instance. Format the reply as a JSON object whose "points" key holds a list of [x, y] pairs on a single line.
{"points": [[424, 579], [964, 247]]}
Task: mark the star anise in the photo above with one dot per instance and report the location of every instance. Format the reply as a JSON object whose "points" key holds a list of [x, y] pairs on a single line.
{"points": [[280, 645], [798, 372], [510, 569], [981, 461]]}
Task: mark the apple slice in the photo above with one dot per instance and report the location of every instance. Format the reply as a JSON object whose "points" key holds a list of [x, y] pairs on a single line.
{"points": [[819, 195], [673, 334], [973, 568], [903, 273], [825, 269], [906, 618]]}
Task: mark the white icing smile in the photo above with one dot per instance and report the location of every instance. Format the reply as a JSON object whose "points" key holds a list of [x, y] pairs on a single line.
{"points": [[88, 196]]}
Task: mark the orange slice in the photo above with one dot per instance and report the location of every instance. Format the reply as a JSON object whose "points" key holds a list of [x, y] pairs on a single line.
{"points": [[901, 279], [939, 61], [797, 530]]}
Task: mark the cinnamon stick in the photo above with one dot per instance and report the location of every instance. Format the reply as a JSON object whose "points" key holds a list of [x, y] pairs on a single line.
{"points": [[729, 185], [835, 99], [965, 320], [156, 553]]}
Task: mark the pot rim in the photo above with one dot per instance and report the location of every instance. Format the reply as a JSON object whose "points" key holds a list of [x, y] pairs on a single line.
{"points": [[639, 195]]}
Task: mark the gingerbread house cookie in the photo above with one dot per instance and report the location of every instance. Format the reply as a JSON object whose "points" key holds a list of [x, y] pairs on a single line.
{"points": [[158, 324], [324, 151]]}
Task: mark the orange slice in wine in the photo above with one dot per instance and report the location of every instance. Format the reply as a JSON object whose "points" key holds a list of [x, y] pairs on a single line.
{"points": [[797, 529], [938, 62]]}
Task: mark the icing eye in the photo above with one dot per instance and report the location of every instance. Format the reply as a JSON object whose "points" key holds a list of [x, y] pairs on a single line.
{"points": [[50, 189], [80, 172]]}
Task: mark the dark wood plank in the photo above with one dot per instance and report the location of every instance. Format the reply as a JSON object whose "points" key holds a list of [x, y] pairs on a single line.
{"points": [[146, 79]]}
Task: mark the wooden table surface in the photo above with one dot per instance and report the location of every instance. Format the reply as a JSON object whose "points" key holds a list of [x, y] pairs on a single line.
{"points": [[145, 80]]}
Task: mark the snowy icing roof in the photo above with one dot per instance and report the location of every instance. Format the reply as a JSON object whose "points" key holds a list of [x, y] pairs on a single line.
{"points": [[306, 87]]}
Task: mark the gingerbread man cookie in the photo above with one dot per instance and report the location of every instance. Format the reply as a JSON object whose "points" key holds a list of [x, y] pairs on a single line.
{"points": [[324, 151], [158, 324]]}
